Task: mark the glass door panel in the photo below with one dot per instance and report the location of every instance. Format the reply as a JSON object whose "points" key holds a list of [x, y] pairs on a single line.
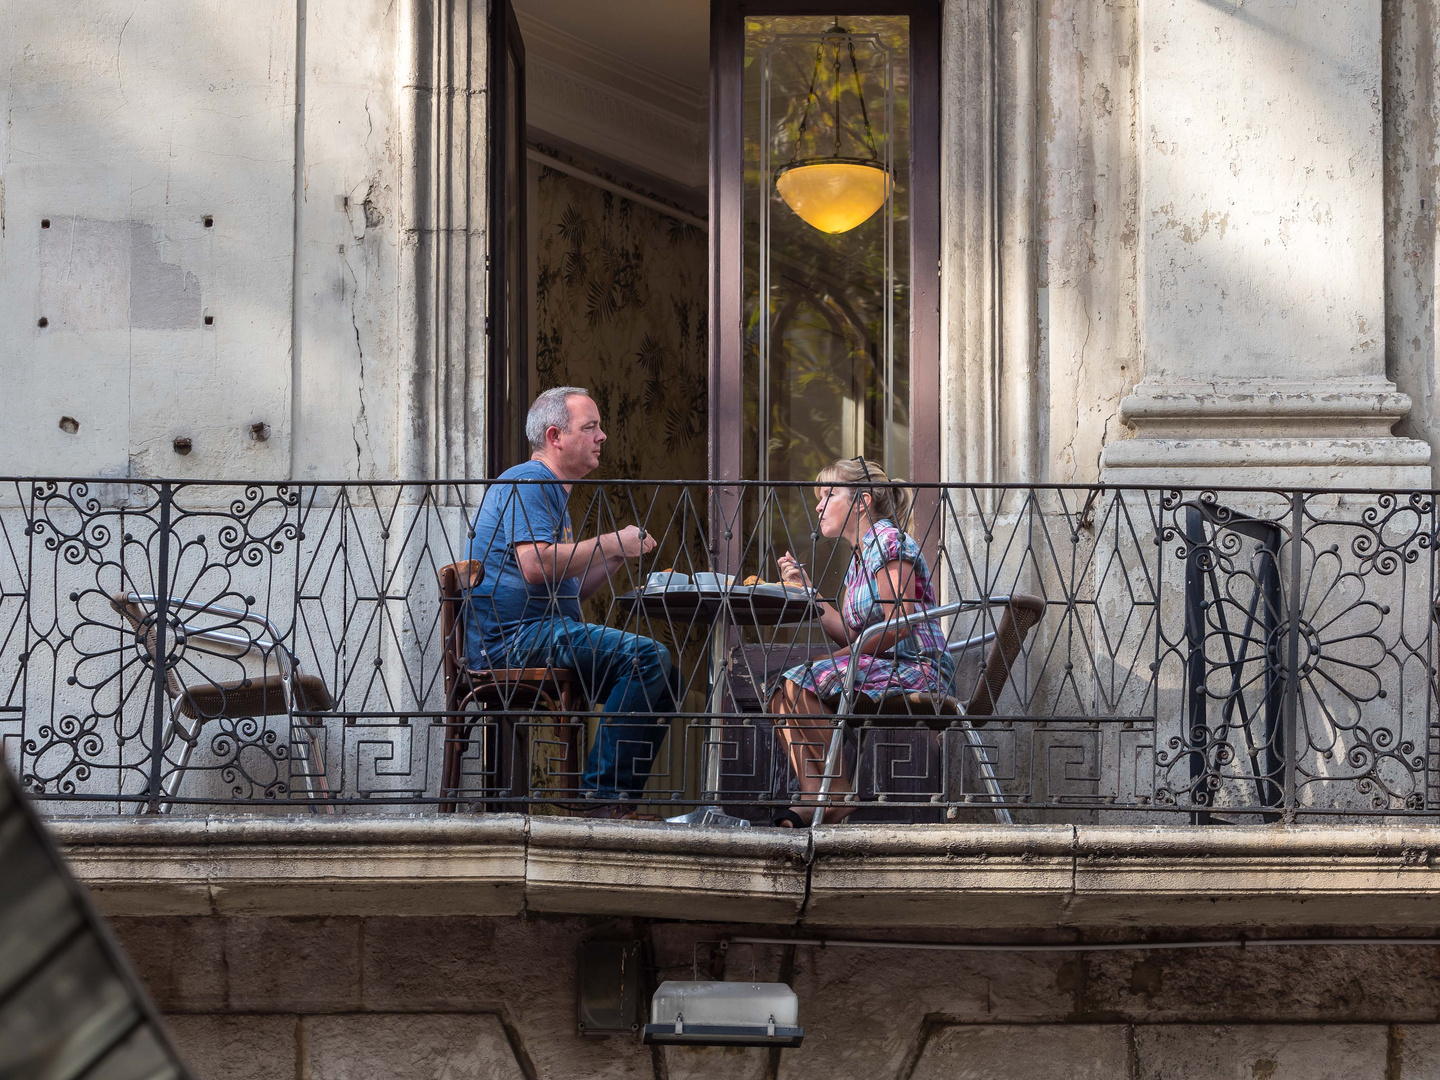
{"points": [[826, 257]]}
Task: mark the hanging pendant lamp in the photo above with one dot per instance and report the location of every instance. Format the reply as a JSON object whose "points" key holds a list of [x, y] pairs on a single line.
{"points": [[835, 193]]}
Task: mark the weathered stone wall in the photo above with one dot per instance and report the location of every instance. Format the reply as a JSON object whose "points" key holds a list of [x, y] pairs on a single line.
{"points": [[1412, 184], [272, 998], [252, 232], [128, 130]]}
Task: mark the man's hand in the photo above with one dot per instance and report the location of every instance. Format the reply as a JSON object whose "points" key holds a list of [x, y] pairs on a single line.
{"points": [[634, 542]]}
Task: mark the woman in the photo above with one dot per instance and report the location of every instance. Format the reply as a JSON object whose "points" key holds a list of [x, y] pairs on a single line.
{"points": [[856, 501]]}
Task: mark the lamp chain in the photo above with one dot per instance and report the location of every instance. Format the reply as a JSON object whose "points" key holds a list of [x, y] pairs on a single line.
{"points": [[811, 98], [864, 112]]}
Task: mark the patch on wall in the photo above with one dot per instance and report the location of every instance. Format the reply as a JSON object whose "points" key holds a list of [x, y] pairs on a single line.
{"points": [[115, 275]]}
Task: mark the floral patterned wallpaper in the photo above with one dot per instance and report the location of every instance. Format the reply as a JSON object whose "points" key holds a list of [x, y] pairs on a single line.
{"points": [[620, 308]]}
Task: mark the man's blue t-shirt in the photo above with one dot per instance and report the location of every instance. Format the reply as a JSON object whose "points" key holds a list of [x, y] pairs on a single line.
{"points": [[503, 601]]}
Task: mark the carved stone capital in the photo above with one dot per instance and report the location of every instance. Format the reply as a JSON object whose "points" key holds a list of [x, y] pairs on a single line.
{"points": [[1335, 432]]}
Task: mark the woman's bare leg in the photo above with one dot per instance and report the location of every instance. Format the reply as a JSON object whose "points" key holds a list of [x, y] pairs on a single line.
{"points": [[805, 727]]}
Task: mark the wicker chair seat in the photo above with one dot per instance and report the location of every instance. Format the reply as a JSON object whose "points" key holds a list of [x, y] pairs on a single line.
{"points": [[263, 696]]}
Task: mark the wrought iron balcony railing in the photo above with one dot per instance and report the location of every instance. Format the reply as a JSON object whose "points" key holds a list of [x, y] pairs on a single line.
{"points": [[1119, 654]]}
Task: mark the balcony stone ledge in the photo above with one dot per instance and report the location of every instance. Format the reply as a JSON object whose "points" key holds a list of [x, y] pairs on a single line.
{"points": [[618, 868], [960, 876], [273, 865], [1115, 876], [941, 875]]}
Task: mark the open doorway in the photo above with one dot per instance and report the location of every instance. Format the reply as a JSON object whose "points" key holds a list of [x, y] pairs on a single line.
{"points": [[652, 234], [724, 334], [615, 201]]}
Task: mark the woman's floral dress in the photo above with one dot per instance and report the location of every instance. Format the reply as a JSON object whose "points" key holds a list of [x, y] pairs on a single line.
{"points": [[918, 661]]}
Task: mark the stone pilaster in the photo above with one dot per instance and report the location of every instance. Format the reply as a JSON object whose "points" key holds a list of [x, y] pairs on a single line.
{"points": [[1261, 260]]}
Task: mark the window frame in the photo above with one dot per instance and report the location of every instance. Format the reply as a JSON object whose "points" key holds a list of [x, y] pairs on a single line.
{"points": [[507, 339]]}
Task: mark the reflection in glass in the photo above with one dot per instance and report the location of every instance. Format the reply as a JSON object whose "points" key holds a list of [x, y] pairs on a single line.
{"points": [[826, 361]]}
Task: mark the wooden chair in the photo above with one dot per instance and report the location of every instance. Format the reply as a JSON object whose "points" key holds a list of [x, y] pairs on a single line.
{"points": [[1019, 615], [222, 632], [548, 689]]}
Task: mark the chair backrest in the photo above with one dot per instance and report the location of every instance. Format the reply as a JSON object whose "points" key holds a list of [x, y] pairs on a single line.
{"points": [[1017, 619], [457, 579], [204, 695], [136, 616]]}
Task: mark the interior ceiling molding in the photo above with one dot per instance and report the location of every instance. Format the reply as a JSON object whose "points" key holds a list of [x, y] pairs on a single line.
{"points": [[563, 49], [550, 161], [591, 114]]}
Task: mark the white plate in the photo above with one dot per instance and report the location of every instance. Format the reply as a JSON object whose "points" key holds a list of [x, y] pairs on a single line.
{"points": [[788, 592]]}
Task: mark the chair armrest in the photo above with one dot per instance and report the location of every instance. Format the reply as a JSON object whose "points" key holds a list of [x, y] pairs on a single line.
{"points": [[870, 633]]}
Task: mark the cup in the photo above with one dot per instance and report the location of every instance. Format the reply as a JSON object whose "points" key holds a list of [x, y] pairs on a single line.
{"points": [[706, 581], [666, 579]]}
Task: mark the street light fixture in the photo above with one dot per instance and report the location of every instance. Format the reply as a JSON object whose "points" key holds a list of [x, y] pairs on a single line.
{"points": [[724, 1014]]}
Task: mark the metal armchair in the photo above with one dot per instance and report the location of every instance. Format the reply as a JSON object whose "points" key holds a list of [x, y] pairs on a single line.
{"points": [[1021, 613], [283, 690]]}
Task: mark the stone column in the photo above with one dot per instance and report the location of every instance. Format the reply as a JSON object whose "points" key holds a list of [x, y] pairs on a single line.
{"points": [[1261, 266]]}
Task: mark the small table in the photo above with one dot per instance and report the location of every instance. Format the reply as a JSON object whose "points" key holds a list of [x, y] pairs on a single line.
{"points": [[741, 605]]}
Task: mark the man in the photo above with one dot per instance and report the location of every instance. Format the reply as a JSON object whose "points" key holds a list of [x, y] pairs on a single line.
{"points": [[526, 611]]}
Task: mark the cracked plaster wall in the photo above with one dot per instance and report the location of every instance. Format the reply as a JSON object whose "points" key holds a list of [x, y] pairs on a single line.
{"points": [[1088, 191], [151, 250], [346, 407], [1258, 231], [128, 122], [1262, 204], [1411, 30]]}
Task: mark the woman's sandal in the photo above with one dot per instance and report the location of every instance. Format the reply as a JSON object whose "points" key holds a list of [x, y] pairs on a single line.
{"points": [[788, 819]]}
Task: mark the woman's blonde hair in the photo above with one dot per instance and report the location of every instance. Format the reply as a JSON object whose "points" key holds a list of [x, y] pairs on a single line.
{"points": [[888, 497]]}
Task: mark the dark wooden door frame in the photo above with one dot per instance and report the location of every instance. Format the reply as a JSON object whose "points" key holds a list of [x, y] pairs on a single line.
{"points": [[507, 395], [727, 55]]}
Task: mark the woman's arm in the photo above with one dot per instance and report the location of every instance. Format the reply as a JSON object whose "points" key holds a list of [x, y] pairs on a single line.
{"points": [[831, 621], [892, 585]]}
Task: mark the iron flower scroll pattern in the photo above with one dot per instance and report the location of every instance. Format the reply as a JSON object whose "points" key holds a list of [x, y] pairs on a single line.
{"points": [[98, 546], [1364, 626], [1305, 651], [1186, 656]]}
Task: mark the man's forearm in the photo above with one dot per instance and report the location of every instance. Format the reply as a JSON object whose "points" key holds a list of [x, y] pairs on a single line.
{"points": [[599, 575], [541, 563]]}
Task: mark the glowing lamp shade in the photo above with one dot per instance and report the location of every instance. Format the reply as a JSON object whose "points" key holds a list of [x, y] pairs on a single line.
{"points": [[834, 196]]}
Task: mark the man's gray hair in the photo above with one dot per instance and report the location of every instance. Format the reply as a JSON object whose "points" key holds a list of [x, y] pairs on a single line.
{"points": [[550, 409]]}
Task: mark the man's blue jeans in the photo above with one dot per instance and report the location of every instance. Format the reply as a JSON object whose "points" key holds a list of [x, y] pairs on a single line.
{"points": [[628, 674]]}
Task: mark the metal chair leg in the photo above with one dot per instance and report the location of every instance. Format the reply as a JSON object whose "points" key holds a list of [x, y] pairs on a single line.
{"points": [[987, 773], [314, 766], [832, 762], [170, 786]]}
